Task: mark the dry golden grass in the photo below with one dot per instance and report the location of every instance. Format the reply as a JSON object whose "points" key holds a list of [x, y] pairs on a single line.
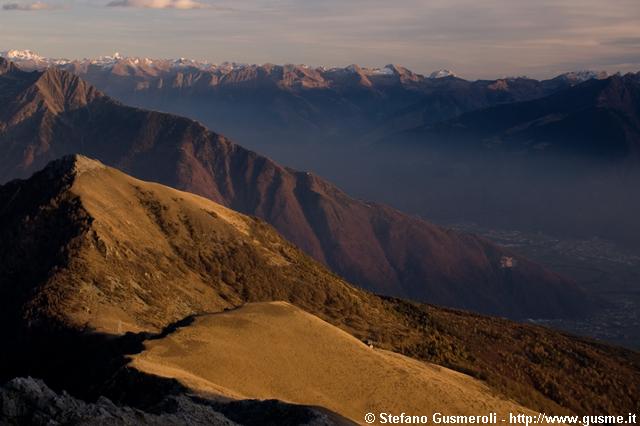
{"points": [[275, 350]]}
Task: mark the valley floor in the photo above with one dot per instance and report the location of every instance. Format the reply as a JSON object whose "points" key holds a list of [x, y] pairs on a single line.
{"points": [[609, 272]]}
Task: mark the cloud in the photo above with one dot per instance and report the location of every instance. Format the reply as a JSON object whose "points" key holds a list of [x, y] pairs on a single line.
{"points": [[159, 4], [38, 5], [633, 42]]}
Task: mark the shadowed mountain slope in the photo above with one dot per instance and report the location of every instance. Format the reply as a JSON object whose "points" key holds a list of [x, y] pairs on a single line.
{"points": [[28, 401], [54, 113], [598, 119], [86, 248]]}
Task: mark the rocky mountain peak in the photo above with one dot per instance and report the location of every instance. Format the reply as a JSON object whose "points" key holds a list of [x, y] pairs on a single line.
{"points": [[62, 90], [72, 165]]}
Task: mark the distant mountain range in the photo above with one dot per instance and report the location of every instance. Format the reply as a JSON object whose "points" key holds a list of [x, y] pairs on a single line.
{"points": [[324, 76], [294, 75], [310, 109], [599, 118], [294, 104], [44, 115]]}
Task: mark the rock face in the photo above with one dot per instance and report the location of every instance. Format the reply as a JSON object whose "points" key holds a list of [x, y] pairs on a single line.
{"points": [[30, 401], [50, 114]]}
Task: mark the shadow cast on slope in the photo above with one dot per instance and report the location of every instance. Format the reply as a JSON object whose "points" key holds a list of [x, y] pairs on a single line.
{"points": [[90, 365]]}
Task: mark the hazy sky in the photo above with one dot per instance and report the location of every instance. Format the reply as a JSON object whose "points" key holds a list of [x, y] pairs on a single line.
{"points": [[474, 38]]}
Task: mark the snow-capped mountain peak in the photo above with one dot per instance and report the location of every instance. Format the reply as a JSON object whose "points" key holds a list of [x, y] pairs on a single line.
{"points": [[21, 55], [386, 70], [28, 59], [442, 74], [108, 60], [584, 75]]}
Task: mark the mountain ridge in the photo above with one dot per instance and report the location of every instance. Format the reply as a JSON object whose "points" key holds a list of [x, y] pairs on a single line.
{"points": [[377, 247], [32, 60], [122, 262]]}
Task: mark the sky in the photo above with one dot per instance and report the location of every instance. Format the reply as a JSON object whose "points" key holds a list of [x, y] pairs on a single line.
{"points": [[473, 38]]}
